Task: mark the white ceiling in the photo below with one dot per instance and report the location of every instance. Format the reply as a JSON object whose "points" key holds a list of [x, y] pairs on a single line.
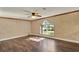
{"points": [[18, 12]]}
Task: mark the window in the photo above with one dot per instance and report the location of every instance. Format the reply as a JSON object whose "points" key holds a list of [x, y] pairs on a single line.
{"points": [[47, 28]]}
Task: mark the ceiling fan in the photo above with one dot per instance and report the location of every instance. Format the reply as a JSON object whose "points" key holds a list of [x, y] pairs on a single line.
{"points": [[34, 13]]}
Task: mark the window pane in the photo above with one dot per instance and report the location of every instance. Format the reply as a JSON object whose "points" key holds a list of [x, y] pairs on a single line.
{"points": [[47, 28]]}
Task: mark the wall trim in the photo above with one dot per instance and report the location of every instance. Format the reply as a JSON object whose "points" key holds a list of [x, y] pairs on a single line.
{"points": [[39, 18], [13, 37], [14, 18], [57, 15]]}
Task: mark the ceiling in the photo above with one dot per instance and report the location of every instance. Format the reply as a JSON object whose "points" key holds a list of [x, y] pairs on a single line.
{"points": [[18, 12]]}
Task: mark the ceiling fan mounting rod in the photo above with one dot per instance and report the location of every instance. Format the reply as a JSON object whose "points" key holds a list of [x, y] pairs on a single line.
{"points": [[33, 14]]}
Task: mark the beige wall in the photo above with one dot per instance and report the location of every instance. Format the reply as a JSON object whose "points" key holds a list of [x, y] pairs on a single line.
{"points": [[65, 25], [13, 28]]}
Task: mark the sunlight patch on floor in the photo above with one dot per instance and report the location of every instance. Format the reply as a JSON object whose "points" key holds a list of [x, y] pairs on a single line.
{"points": [[36, 39]]}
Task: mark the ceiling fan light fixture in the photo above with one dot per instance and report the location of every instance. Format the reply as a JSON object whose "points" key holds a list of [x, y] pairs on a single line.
{"points": [[33, 17]]}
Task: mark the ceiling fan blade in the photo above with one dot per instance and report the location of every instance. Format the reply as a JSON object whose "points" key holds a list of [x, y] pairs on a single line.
{"points": [[44, 8], [38, 15], [27, 11], [29, 16], [34, 10]]}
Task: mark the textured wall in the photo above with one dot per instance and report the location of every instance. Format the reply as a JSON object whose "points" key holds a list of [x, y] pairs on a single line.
{"points": [[13, 28], [65, 25]]}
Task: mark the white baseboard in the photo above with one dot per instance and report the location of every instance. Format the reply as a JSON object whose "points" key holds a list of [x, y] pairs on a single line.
{"points": [[12, 37]]}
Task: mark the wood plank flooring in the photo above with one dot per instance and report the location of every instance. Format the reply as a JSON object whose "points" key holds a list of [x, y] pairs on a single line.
{"points": [[67, 46], [18, 45], [23, 44], [26, 45]]}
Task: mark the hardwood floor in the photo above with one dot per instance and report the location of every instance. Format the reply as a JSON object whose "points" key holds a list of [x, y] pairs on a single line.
{"points": [[67, 46], [23, 44], [20, 44]]}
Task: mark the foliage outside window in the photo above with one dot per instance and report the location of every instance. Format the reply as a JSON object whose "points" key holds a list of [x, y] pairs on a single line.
{"points": [[47, 28]]}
